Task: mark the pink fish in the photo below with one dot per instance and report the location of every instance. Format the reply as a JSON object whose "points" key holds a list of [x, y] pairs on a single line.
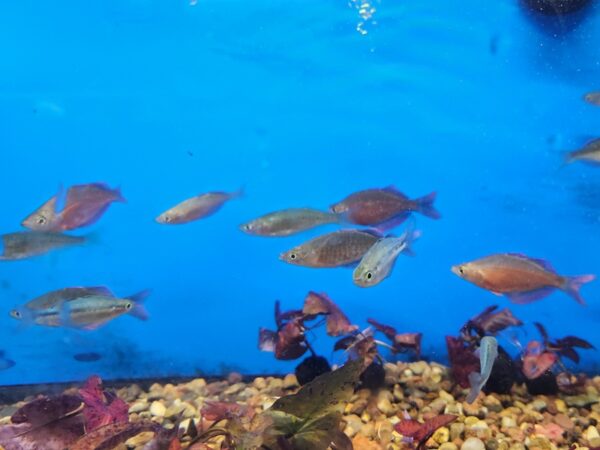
{"points": [[521, 278], [385, 208], [84, 204], [536, 360], [198, 207]]}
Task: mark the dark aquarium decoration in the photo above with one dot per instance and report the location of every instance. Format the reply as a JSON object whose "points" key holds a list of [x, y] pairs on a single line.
{"points": [[292, 225]]}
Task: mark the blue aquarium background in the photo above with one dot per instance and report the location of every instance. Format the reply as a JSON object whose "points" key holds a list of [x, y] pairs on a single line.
{"points": [[301, 103]]}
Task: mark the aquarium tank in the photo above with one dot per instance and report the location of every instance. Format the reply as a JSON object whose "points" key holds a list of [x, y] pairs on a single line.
{"points": [[367, 224]]}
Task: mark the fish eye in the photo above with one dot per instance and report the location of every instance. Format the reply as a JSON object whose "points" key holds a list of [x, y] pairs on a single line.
{"points": [[369, 275], [461, 270], [41, 220], [128, 306], [292, 256], [167, 218], [16, 313]]}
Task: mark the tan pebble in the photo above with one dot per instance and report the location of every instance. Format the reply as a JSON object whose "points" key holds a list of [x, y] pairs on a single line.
{"points": [[595, 443], [516, 446], [419, 367], [454, 408], [539, 443], [139, 440], [448, 446], [590, 433], [473, 443], [446, 396], [290, 381], [234, 388], [582, 400], [561, 406], [362, 443], [564, 421], [538, 404], [260, 383], [441, 435], [508, 422], [157, 409], [492, 403], [368, 430], [438, 405], [275, 383], [365, 417], [456, 430], [385, 406], [353, 425], [470, 421], [436, 377], [398, 393]]}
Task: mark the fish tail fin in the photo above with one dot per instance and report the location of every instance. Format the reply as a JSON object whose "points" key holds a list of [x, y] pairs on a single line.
{"points": [[475, 383], [425, 206], [573, 284], [139, 310], [241, 192], [410, 236], [119, 195]]}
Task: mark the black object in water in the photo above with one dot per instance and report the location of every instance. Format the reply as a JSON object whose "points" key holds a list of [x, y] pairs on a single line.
{"points": [[556, 7], [373, 377], [87, 357], [543, 385], [310, 368], [504, 374]]}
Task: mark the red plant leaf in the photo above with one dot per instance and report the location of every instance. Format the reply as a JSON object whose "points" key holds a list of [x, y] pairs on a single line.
{"points": [[408, 427], [217, 411], [420, 432], [109, 436], [320, 304], [462, 360], [408, 341], [388, 331], [535, 365], [101, 407], [291, 342], [45, 410]]}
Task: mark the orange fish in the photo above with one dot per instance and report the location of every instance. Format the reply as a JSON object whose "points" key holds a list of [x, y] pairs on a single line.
{"points": [[84, 205], [521, 278], [385, 207]]}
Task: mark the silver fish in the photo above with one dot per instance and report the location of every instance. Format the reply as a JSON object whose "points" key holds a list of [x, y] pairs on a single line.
{"points": [[488, 352], [94, 308], [25, 244], [288, 221], [195, 208], [377, 264], [590, 153]]}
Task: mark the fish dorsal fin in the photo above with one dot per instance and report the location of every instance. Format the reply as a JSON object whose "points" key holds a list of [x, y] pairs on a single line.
{"points": [[540, 262], [394, 190], [373, 232], [100, 290]]}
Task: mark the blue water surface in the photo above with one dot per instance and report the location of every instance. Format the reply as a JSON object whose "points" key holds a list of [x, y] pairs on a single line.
{"points": [[475, 100]]}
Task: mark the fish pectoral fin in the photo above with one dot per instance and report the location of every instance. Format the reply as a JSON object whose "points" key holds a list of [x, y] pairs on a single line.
{"points": [[93, 326], [499, 294], [523, 298]]}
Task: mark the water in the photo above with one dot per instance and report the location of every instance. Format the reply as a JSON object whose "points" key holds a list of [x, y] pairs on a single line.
{"points": [[292, 101]]}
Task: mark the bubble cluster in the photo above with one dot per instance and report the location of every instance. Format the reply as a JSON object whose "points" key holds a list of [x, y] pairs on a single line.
{"points": [[366, 11]]}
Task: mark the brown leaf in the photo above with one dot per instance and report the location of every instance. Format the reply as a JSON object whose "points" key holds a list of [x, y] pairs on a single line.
{"points": [[109, 436], [291, 342], [422, 432], [320, 304]]}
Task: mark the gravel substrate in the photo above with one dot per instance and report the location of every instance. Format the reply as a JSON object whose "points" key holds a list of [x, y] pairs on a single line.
{"points": [[495, 422]]}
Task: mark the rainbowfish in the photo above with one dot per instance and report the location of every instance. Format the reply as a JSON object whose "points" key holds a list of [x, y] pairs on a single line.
{"points": [[384, 208], [288, 221], [590, 153], [377, 264], [198, 207], [488, 352], [84, 308], [25, 244], [521, 278], [84, 205], [592, 98], [336, 249]]}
